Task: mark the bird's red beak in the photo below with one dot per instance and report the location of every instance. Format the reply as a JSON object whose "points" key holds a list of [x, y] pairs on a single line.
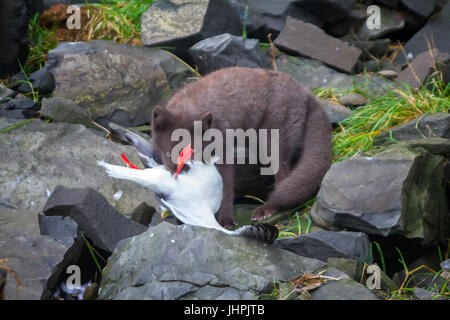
{"points": [[132, 166], [184, 156]]}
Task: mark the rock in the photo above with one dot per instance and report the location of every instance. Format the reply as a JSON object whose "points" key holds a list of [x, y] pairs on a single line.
{"points": [[435, 33], [328, 10], [313, 74], [40, 81], [350, 267], [263, 17], [308, 40], [398, 191], [422, 8], [390, 21], [372, 48], [421, 278], [62, 229], [389, 74], [335, 112], [423, 66], [188, 262], [19, 108], [64, 110], [143, 214], [433, 125], [226, 50], [327, 244], [95, 217], [180, 24], [113, 81], [38, 156], [14, 36], [344, 289], [353, 100], [423, 294], [445, 266], [6, 94], [32, 256]]}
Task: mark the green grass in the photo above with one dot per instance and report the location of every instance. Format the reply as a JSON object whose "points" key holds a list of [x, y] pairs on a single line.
{"points": [[356, 134], [111, 20]]}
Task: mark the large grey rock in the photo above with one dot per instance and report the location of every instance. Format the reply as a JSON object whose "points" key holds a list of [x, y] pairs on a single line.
{"points": [[64, 110], [62, 229], [187, 262], [38, 156], [308, 40], [226, 50], [313, 74], [111, 80], [420, 7], [179, 24], [95, 217], [262, 17], [328, 244], [391, 21], [335, 111], [434, 33], [433, 125], [425, 65], [32, 256], [398, 191]]}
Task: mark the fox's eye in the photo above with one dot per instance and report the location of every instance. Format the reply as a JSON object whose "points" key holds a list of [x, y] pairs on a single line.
{"points": [[168, 154]]}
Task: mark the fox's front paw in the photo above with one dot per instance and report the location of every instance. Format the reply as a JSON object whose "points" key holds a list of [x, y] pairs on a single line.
{"points": [[263, 212], [227, 222]]}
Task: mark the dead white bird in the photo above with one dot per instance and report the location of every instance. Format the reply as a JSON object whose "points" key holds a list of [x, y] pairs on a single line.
{"points": [[193, 196]]}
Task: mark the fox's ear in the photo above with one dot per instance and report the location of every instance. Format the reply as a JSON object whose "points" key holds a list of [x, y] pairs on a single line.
{"points": [[161, 118], [206, 119]]}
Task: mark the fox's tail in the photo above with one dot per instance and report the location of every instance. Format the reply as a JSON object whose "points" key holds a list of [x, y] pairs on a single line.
{"points": [[315, 159]]}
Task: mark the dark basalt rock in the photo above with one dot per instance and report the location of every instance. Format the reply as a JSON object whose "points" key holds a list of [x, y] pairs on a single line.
{"points": [[396, 192], [434, 125], [328, 244], [226, 50], [95, 217], [435, 33], [308, 40]]}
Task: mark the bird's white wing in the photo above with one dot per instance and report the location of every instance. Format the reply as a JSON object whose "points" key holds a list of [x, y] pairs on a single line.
{"points": [[157, 179]]}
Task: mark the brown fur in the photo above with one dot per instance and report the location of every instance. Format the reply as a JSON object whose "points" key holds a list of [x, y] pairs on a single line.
{"points": [[247, 98]]}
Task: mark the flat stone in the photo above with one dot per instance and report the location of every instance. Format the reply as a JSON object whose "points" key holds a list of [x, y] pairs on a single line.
{"points": [[187, 262], [434, 33], [114, 81], [420, 7], [433, 125], [380, 195], [179, 24], [226, 50], [353, 100], [328, 244], [308, 40], [38, 156], [423, 66], [389, 74], [32, 256], [391, 21], [95, 217], [335, 111]]}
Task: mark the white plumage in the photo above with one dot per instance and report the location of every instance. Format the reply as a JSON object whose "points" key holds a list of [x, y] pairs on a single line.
{"points": [[194, 196]]}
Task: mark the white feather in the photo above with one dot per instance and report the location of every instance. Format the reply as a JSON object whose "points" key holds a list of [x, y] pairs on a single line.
{"points": [[193, 196]]}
